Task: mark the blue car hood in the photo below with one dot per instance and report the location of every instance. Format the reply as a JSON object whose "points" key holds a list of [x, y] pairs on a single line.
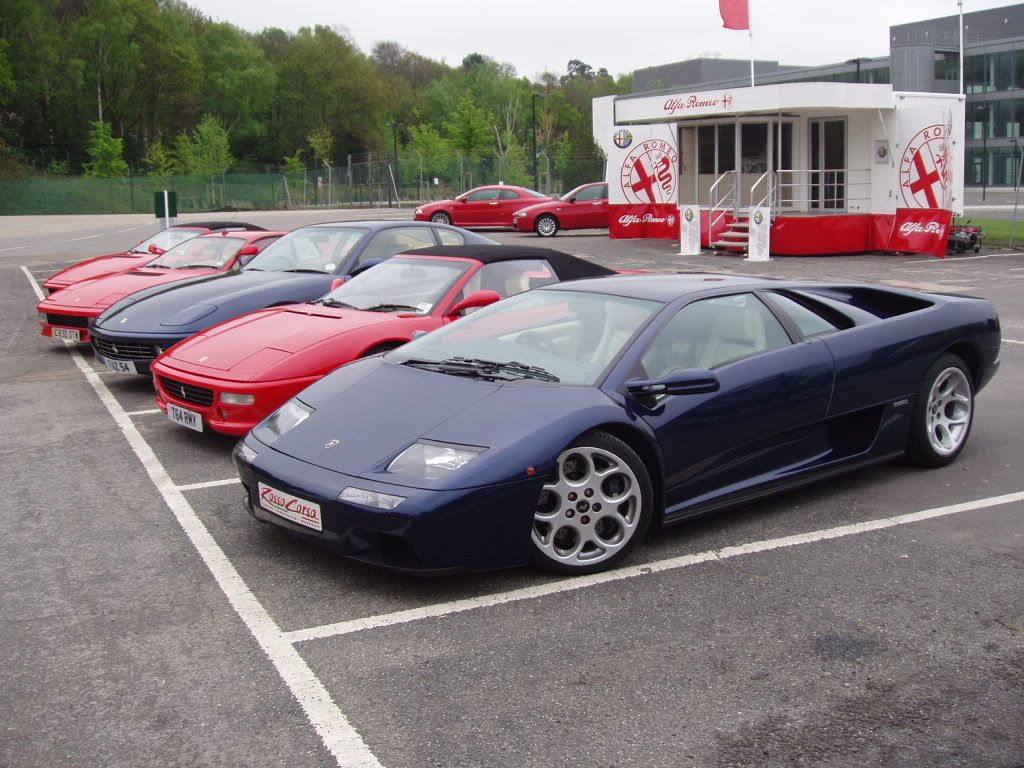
{"points": [[189, 308], [377, 409]]}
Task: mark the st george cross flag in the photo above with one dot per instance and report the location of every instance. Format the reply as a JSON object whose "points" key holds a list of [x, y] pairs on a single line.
{"points": [[735, 13]]}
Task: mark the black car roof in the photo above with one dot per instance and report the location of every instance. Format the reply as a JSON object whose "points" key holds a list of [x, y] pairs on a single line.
{"points": [[566, 266], [665, 288], [217, 225]]}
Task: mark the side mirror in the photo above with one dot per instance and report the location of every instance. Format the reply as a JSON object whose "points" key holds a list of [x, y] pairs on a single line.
{"points": [[475, 299], [337, 283], [417, 334], [249, 250], [678, 382], [365, 266], [155, 249]]}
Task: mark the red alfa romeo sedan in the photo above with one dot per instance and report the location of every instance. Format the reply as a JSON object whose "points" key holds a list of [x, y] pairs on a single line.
{"points": [[585, 207], [490, 206], [66, 313]]}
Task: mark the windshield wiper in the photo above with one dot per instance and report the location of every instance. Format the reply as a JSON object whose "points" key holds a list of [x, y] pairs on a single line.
{"points": [[297, 269], [333, 303], [158, 266], [391, 308], [486, 369]]}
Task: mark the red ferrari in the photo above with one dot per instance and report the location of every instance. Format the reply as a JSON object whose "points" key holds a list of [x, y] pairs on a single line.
{"points": [[233, 375], [145, 250], [586, 207], [66, 314], [490, 206]]}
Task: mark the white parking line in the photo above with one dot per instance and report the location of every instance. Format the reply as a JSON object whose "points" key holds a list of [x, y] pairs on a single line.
{"points": [[146, 412], [935, 260], [334, 729], [74, 240], [568, 585], [208, 484], [1013, 341]]}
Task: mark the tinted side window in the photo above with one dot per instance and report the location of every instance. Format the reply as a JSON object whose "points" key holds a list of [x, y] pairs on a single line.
{"points": [[510, 277], [598, 192], [391, 241], [450, 237], [711, 332], [509, 194], [807, 321], [483, 194]]}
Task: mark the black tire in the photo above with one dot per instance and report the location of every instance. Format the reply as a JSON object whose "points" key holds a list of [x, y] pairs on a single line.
{"points": [[440, 217], [943, 413], [546, 225], [574, 534]]}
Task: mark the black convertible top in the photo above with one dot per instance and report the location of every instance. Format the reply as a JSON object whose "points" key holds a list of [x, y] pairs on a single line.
{"points": [[219, 225], [566, 266]]}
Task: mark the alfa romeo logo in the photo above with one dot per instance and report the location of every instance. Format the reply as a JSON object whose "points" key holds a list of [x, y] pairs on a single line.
{"points": [[688, 214], [758, 217], [925, 169], [622, 138], [648, 173]]}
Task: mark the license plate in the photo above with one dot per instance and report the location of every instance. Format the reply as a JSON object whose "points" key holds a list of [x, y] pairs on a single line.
{"points": [[290, 507], [71, 334], [120, 366], [185, 417]]}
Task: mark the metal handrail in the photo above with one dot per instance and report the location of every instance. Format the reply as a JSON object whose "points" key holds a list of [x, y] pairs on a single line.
{"points": [[769, 196], [718, 201]]}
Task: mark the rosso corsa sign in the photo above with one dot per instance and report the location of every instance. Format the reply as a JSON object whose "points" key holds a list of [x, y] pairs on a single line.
{"points": [[648, 173]]}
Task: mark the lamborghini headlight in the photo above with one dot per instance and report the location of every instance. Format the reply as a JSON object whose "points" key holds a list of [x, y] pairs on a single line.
{"points": [[287, 417], [431, 460]]}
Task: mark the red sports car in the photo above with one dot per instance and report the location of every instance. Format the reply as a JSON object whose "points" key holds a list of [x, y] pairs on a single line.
{"points": [[66, 314], [490, 206], [145, 250], [233, 375], [586, 207]]}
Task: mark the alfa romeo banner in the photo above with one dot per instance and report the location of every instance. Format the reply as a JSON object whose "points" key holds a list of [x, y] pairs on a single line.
{"points": [[643, 191], [920, 230]]}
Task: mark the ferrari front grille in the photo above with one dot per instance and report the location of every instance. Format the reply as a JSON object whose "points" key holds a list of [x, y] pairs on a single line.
{"points": [[123, 350], [71, 321], [188, 393]]}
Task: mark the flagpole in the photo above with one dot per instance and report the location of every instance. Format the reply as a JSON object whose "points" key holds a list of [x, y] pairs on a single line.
{"points": [[750, 32], [960, 4]]}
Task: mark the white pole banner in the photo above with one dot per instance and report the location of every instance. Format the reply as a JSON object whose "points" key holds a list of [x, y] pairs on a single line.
{"points": [[760, 227], [689, 230]]}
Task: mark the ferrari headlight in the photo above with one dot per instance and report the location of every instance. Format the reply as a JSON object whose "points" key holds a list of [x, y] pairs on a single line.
{"points": [[373, 499], [432, 460], [237, 398], [287, 417]]}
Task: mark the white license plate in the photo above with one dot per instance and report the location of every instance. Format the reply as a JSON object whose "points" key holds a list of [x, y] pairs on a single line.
{"points": [[290, 507], [71, 334], [185, 417], [120, 366]]}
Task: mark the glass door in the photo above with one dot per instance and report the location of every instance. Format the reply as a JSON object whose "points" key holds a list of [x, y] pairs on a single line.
{"points": [[828, 163]]}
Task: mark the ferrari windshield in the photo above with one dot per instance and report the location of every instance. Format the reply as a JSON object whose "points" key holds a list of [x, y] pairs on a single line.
{"points": [[167, 238], [310, 249], [413, 285], [571, 336], [199, 253]]}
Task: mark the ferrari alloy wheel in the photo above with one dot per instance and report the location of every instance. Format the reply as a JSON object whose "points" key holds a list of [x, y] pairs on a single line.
{"points": [[942, 414], [441, 218], [594, 507], [546, 226]]}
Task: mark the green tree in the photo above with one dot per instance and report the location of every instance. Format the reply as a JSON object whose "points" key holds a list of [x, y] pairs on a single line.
{"points": [[106, 152], [321, 142], [470, 129], [158, 160], [7, 84], [211, 150]]}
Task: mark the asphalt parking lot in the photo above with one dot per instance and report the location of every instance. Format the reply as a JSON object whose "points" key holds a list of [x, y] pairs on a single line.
{"points": [[875, 620]]}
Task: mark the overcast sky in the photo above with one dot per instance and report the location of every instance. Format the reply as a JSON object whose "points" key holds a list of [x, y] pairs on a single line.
{"points": [[543, 35]]}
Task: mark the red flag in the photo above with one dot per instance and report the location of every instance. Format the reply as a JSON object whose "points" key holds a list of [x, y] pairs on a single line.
{"points": [[735, 13]]}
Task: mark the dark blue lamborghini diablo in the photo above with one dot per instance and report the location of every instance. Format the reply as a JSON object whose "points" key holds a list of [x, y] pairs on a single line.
{"points": [[558, 425]]}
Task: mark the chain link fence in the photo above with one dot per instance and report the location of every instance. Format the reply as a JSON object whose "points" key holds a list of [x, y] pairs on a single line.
{"points": [[369, 182]]}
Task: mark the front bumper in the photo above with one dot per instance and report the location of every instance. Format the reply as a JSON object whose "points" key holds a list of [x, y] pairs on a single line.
{"points": [[203, 396], [140, 351], [430, 532]]}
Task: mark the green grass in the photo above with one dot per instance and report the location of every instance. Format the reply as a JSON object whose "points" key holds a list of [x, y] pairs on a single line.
{"points": [[998, 231]]}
